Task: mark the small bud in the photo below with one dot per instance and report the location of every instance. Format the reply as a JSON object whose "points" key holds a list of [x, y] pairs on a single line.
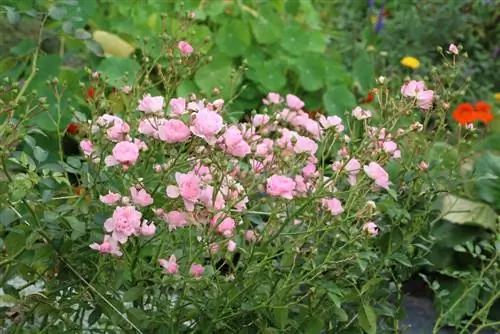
{"points": [[439, 49]]}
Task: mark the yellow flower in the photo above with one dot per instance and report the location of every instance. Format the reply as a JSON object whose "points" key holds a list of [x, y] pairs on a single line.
{"points": [[374, 18], [497, 97], [410, 62]]}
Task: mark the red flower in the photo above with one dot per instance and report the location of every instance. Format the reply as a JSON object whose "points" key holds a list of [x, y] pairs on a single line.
{"points": [[90, 93], [73, 128], [368, 99], [466, 113]]}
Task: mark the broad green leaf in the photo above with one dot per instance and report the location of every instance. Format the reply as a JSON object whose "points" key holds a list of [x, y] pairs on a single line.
{"points": [[338, 99], [23, 48], [367, 319], [119, 72], [217, 74], [82, 34], [112, 44], [57, 13], [363, 71], [461, 211], [133, 294], [311, 70], [267, 27], [40, 154], [295, 39], [269, 75], [234, 38], [186, 88], [77, 227], [487, 177]]}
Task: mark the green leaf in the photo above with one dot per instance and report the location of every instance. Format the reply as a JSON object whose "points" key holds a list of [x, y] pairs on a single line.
{"points": [[133, 294], [267, 27], [186, 88], [234, 38], [311, 70], [280, 317], [94, 316], [78, 227], [367, 319], [57, 13], [295, 39], [487, 176], [119, 72], [40, 154], [82, 34], [23, 48], [363, 72], [269, 75], [12, 15], [461, 211], [338, 99], [217, 74]]}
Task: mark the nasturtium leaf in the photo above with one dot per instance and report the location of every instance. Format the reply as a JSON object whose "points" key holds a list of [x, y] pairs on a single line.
{"points": [[295, 39], [267, 27], [217, 75], [487, 178], [118, 71], [461, 211], [185, 88], [337, 99], [269, 75], [363, 72], [311, 70], [336, 73], [234, 38], [112, 44]]}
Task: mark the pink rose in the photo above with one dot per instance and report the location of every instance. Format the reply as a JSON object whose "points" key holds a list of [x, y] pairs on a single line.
{"points": [[170, 266], [140, 197], [125, 153], [260, 119], [148, 230], [109, 245], [124, 222], [330, 121], [197, 270], [231, 246], [294, 102], [178, 106], [375, 172], [174, 131], [370, 228], [185, 48], [150, 126], [305, 145], [333, 205], [225, 227], [207, 124], [280, 186], [453, 49], [175, 219], [110, 198], [272, 98], [416, 89], [87, 147], [151, 104], [361, 114], [250, 236], [188, 187], [234, 143], [390, 146]]}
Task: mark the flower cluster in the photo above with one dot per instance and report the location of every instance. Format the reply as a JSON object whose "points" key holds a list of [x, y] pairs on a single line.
{"points": [[466, 113], [181, 165]]}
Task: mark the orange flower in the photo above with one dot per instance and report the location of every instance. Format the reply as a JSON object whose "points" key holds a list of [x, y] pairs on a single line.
{"points": [[464, 113], [483, 112]]}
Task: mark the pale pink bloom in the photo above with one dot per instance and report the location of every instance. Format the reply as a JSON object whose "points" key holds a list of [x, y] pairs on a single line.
{"points": [[124, 222], [170, 266], [353, 167], [140, 197], [118, 130], [361, 114], [148, 230], [218, 104], [370, 228], [214, 248], [260, 119], [294, 102], [453, 49], [333, 205], [175, 219], [396, 154], [197, 270], [125, 153], [272, 98], [301, 186], [343, 152], [375, 172], [287, 115], [109, 245], [390, 146], [234, 143], [87, 147], [203, 172], [231, 246], [337, 166], [178, 106], [310, 170], [225, 227], [206, 198], [174, 131], [127, 89], [423, 166], [140, 144], [264, 148], [151, 104], [188, 187], [330, 121], [297, 222], [280, 186], [110, 198], [150, 126], [250, 236], [207, 124], [305, 145], [416, 89], [185, 48]]}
